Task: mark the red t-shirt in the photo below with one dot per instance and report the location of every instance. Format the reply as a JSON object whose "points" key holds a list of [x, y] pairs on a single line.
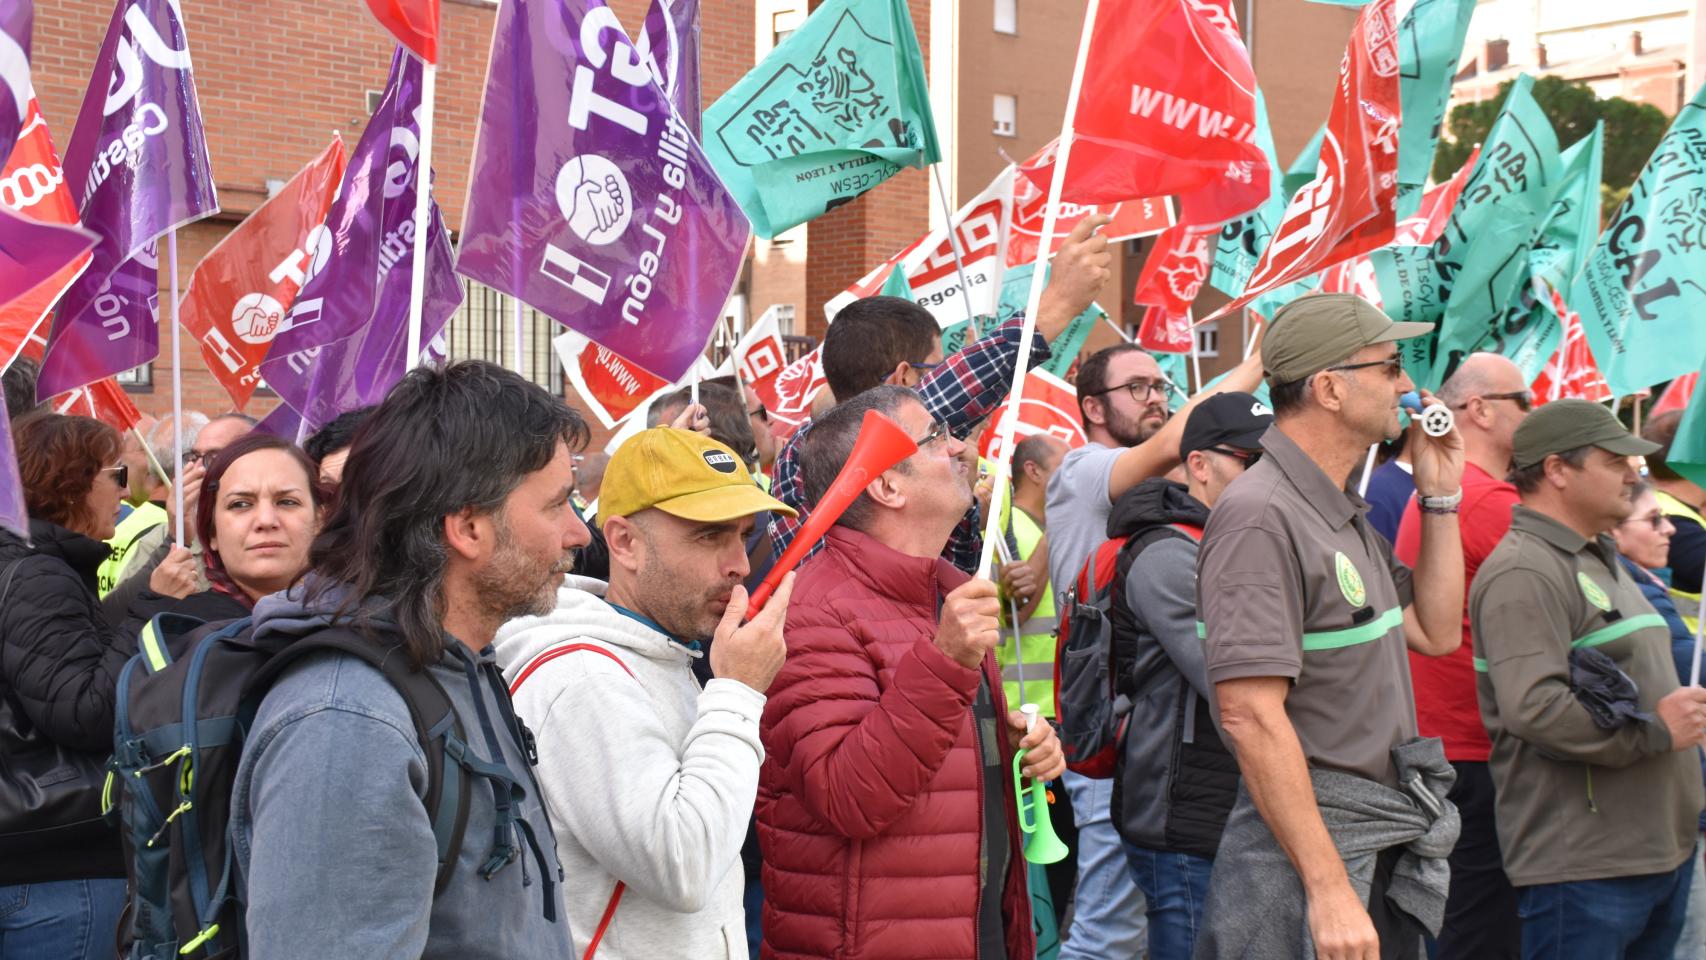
{"points": [[1445, 686]]}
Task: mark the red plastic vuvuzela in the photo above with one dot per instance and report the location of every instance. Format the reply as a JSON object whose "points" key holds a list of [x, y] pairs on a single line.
{"points": [[881, 445]]}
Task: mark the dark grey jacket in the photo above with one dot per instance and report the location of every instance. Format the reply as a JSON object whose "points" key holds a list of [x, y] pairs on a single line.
{"points": [[1175, 781]]}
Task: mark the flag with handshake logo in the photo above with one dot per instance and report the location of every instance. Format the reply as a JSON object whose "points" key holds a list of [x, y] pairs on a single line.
{"points": [[590, 198]]}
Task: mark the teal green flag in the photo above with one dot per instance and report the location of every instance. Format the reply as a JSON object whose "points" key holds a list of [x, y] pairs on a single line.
{"points": [[1260, 393], [1430, 40], [1688, 451], [837, 108], [1176, 368], [1242, 241], [1015, 290], [1302, 169], [896, 285], [1468, 273], [1640, 296]]}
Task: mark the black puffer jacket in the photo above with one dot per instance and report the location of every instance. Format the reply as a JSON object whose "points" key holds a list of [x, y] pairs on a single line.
{"points": [[1175, 781], [59, 663]]}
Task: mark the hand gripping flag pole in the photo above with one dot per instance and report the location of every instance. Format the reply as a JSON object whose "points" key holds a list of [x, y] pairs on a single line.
{"points": [[1022, 363]]}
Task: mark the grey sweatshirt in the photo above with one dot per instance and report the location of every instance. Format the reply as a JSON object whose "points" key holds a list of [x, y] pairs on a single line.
{"points": [[333, 842], [649, 779]]}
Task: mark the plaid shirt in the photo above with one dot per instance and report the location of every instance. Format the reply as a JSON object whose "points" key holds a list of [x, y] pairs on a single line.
{"points": [[965, 389]]}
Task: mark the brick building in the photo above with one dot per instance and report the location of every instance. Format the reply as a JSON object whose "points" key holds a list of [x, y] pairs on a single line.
{"points": [[277, 79]]}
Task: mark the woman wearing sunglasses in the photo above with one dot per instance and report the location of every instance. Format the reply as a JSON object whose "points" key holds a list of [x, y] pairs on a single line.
{"points": [[61, 876], [1643, 541]]}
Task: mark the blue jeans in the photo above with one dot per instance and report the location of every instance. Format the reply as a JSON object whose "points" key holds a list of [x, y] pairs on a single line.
{"points": [[70, 919], [1626, 918], [1175, 885], [1107, 909]]}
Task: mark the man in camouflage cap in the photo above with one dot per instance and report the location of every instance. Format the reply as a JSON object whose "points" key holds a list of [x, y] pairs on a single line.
{"points": [[1598, 824], [1306, 620]]}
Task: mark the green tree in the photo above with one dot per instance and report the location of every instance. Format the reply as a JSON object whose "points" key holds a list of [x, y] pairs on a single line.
{"points": [[1632, 130]]}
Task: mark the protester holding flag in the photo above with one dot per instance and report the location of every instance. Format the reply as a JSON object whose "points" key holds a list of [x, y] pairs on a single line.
{"points": [[1684, 502], [60, 659], [887, 340]]}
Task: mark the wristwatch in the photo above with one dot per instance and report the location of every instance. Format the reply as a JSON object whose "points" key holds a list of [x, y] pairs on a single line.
{"points": [[1440, 504]]}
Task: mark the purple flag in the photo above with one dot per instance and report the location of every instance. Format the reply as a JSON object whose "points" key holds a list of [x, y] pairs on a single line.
{"points": [[12, 513], [138, 165], [17, 18], [344, 342], [669, 44], [589, 198]]}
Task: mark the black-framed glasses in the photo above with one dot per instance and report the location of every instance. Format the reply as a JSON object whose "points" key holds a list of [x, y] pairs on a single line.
{"points": [[1394, 365], [121, 474], [1140, 388], [924, 367], [193, 457], [1524, 399], [760, 412], [1656, 520], [1249, 457], [936, 433]]}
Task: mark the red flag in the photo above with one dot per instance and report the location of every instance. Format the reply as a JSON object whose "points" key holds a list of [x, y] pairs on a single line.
{"points": [[104, 400], [241, 291], [788, 396], [1677, 395], [1168, 106], [1049, 405], [33, 184], [611, 386], [1349, 208], [1571, 372], [1356, 275], [1172, 277], [413, 22], [1132, 218], [760, 356]]}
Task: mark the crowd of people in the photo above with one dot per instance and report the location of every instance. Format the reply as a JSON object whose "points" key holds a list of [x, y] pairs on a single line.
{"points": [[1454, 719]]}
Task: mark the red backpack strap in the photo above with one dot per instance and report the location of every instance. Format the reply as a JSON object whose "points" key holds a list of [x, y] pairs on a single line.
{"points": [[604, 922], [563, 650], [1188, 529]]}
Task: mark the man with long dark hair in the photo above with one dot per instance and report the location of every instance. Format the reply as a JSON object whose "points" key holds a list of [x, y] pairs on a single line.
{"points": [[453, 517]]}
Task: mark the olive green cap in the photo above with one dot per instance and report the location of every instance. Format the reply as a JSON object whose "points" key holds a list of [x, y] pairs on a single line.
{"points": [[1317, 330], [1567, 424]]}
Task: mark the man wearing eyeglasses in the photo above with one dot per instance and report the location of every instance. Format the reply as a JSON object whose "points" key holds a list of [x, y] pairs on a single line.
{"points": [[1336, 844], [1123, 402], [1490, 397], [1597, 813]]}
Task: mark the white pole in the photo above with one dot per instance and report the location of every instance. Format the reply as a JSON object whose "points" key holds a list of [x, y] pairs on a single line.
{"points": [[177, 389], [1699, 634], [1001, 239], [153, 461], [1012, 611], [1196, 357], [1116, 328], [1022, 363], [1250, 330], [423, 196], [1367, 468], [515, 334], [954, 242]]}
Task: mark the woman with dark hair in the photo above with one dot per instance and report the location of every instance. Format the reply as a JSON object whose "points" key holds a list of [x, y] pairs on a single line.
{"points": [[61, 875], [256, 518]]}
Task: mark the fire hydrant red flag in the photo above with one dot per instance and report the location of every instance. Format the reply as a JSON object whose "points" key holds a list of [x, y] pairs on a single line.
{"points": [[242, 290], [1168, 106]]}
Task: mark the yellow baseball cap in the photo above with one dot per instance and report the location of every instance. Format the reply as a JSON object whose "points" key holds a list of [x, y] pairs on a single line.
{"points": [[684, 474]]}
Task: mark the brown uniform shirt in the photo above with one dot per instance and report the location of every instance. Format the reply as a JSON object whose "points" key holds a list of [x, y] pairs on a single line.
{"points": [[1293, 582], [1575, 802]]}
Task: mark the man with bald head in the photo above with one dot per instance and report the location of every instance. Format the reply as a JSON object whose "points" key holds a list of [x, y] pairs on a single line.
{"points": [[1490, 397]]}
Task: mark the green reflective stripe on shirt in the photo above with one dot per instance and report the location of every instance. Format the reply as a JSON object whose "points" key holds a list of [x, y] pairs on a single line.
{"points": [[1621, 628], [1480, 665], [1202, 630], [1351, 636], [152, 648]]}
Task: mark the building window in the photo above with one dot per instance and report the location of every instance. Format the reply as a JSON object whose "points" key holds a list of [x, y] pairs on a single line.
{"points": [[782, 26], [1006, 115], [1208, 339], [1007, 16], [142, 376]]}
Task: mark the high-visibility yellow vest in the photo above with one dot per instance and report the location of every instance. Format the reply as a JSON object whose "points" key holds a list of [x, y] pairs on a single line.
{"points": [[125, 537], [1687, 604], [1033, 658]]}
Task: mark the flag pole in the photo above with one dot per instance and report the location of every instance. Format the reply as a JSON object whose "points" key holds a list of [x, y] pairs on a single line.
{"points": [[515, 332], [177, 389], [1699, 635], [153, 461], [1115, 328], [423, 196], [1367, 468], [1001, 239], [1196, 354], [1028, 330], [953, 239]]}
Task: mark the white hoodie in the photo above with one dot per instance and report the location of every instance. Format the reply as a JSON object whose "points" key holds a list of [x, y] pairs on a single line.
{"points": [[648, 780]]}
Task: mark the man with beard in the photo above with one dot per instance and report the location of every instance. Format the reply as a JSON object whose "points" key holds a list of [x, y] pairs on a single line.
{"points": [[1122, 398], [650, 779], [453, 518]]}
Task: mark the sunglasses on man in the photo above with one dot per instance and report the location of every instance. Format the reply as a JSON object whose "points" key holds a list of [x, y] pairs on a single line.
{"points": [[1524, 399]]}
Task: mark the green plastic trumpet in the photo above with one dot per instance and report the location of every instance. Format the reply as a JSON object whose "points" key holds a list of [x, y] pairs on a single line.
{"points": [[1041, 844]]}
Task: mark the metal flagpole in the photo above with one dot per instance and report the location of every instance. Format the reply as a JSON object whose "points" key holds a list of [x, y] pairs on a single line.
{"points": [[177, 389], [953, 241], [423, 196], [1367, 468], [1021, 365], [515, 332]]}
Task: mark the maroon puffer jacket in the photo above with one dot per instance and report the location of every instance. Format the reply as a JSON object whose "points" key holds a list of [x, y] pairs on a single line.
{"points": [[870, 800]]}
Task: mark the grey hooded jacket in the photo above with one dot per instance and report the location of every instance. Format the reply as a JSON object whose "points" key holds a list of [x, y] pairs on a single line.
{"points": [[335, 852]]}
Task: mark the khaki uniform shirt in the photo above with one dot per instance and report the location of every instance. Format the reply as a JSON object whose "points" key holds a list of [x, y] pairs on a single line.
{"points": [[1293, 582], [1574, 801]]}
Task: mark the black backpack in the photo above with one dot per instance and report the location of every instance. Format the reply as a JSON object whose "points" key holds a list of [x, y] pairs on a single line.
{"points": [[186, 702]]}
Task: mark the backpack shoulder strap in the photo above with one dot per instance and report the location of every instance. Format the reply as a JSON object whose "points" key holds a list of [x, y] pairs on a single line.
{"points": [[434, 718], [562, 650]]}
